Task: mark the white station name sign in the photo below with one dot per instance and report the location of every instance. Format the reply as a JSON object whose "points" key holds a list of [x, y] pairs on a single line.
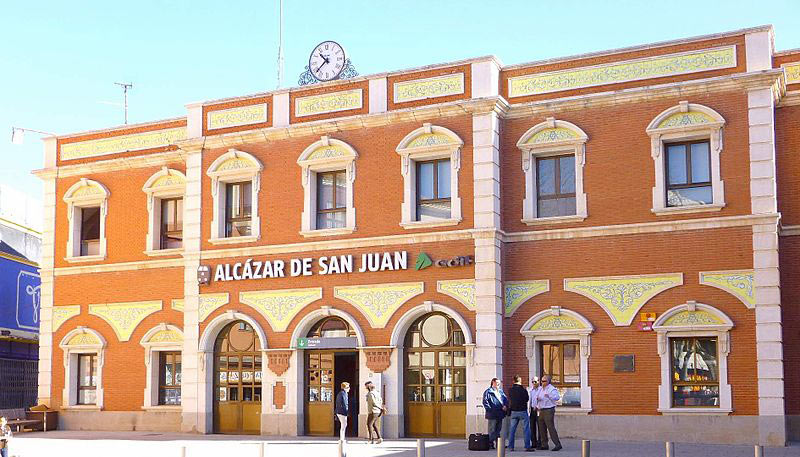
{"points": [[308, 266]]}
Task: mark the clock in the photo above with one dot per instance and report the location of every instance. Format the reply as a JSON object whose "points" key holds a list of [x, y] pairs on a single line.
{"points": [[327, 61]]}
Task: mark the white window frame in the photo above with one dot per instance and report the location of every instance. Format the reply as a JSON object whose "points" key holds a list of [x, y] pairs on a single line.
{"points": [[533, 147], [86, 193], [71, 352], [533, 339], [173, 185], [719, 331], [711, 129], [326, 154], [447, 145], [152, 350], [231, 167]]}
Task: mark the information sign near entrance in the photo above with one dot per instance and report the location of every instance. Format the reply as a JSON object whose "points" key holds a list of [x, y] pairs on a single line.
{"points": [[344, 342]]}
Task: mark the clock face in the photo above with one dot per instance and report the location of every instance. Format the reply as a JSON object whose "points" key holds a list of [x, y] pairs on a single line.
{"points": [[326, 61]]}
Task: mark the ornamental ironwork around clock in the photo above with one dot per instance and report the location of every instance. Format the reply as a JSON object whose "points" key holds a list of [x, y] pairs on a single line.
{"points": [[327, 62]]}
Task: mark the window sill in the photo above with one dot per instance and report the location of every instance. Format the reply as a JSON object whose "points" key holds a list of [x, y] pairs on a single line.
{"points": [[86, 258], [554, 220], [164, 252], [429, 224], [571, 411], [686, 209], [82, 408], [165, 408], [328, 232], [695, 411], [233, 240]]}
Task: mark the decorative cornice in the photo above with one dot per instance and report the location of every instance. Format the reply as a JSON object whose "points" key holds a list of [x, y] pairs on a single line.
{"points": [[158, 159]]}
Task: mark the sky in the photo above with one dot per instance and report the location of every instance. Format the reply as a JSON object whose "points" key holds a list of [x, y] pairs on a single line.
{"points": [[59, 60]]}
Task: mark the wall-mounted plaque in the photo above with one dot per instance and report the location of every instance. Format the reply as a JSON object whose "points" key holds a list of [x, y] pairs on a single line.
{"points": [[623, 363]]}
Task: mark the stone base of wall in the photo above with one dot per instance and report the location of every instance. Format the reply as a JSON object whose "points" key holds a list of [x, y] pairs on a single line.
{"points": [[281, 425], [149, 421], [743, 430]]}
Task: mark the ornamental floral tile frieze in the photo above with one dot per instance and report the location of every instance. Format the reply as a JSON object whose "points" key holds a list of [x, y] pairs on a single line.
{"points": [[166, 336], [378, 302], [621, 297], [792, 72], [328, 103], [420, 89], [620, 72], [692, 319], [84, 339], [552, 135], [125, 317], [430, 139], [177, 304], [62, 314], [515, 293], [234, 117], [208, 303], [691, 118], [738, 283], [122, 143], [555, 323], [462, 290], [280, 306]]}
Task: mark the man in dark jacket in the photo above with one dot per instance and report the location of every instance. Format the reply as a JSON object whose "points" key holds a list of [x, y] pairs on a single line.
{"points": [[495, 403], [342, 408], [519, 413]]}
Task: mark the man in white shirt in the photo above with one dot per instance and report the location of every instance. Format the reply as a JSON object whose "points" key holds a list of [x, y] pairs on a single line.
{"points": [[546, 398], [534, 415]]}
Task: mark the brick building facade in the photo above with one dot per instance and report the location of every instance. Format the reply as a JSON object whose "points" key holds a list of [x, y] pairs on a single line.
{"points": [[624, 221]]}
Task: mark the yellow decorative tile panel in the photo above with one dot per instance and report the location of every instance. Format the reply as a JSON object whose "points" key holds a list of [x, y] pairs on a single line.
{"points": [[792, 72], [236, 163], [62, 314], [738, 283], [462, 290], [621, 297], [692, 319], [208, 303], [378, 302], [280, 306], [328, 152], [555, 323], [420, 89], [177, 304], [553, 135], [166, 336], [87, 190], [168, 180], [620, 72], [328, 103], [125, 317], [686, 119], [235, 117], [515, 293], [122, 143], [83, 339], [430, 139]]}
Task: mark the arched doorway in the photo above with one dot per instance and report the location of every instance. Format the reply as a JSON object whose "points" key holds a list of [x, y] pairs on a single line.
{"points": [[237, 380], [435, 378], [332, 360]]}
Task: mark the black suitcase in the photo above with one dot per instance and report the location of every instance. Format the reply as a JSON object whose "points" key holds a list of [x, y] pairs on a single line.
{"points": [[479, 442]]}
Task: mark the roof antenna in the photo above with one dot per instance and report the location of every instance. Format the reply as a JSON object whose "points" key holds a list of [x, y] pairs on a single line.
{"points": [[125, 87], [280, 43]]}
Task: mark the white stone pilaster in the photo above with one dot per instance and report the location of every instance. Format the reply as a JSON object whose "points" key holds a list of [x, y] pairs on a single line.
{"points": [[763, 196], [280, 109], [194, 120], [197, 414], [486, 360], [46, 275], [377, 95], [485, 79]]}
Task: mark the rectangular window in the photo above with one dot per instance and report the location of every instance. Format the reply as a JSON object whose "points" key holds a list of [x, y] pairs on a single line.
{"points": [[90, 231], [688, 173], [433, 190], [695, 372], [87, 379], [171, 223], [555, 186], [331, 199], [238, 207], [169, 378], [562, 362]]}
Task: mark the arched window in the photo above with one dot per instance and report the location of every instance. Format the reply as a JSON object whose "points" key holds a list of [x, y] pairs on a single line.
{"points": [[165, 191], [331, 327], [685, 143], [84, 351], [235, 185], [87, 207]]}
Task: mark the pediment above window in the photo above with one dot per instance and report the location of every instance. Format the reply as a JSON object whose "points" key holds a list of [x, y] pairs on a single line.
{"points": [[685, 116], [429, 138], [86, 190], [234, 162], [327, 150], [552, 132]]}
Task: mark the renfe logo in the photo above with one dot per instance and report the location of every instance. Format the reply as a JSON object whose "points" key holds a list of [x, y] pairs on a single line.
{"points": [[424, 261]]}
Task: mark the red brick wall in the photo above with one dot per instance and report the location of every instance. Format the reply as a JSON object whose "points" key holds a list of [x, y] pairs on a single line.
{"points": [[686, 252], [790, 304], [124, 375], [787, 151], [619, 173]]}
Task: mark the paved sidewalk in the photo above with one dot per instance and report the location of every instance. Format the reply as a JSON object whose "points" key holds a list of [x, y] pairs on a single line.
{"points": [[138, 444]]}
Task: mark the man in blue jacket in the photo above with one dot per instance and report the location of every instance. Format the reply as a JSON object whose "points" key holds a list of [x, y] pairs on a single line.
{"points": [[342, 408], [495, 403]]}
